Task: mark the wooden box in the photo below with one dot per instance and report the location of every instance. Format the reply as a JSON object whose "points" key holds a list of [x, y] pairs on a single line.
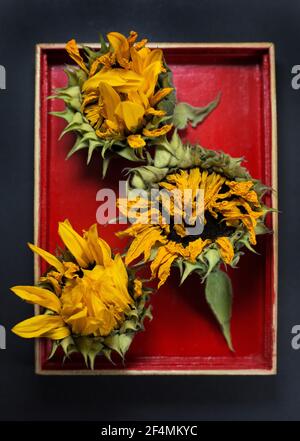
{"points": [[183, 338]]}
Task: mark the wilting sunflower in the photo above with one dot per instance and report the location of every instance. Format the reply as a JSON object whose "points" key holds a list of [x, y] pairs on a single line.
{"points": [[167, 233], [121, 98], [92, 303]]}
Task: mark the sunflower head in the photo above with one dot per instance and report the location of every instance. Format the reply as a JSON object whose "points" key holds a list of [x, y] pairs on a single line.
{"points": [[92, 302], [170, 228], [120, 98], [176, 230]]}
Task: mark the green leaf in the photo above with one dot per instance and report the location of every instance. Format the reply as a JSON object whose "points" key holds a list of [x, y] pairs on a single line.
{"points": [[218, 293], [185, 113]]}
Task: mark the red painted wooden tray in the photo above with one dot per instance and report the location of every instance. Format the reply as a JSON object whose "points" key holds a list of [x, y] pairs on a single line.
{"points": [[183, 337]]}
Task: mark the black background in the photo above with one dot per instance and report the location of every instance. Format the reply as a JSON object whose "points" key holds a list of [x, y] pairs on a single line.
{"points": [[25, 396]]}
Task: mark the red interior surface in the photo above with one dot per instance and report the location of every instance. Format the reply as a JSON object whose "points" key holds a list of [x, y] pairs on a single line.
{"points": [[183, 334]]}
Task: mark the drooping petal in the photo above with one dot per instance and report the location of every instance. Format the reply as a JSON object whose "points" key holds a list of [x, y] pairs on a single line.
{"points": [[74, 53], [143, 243], [120, 276], [155, 112], [137, 288], [123, 80], [51, 326], [49, 258], [157, 132], [136, 141], [196, 247], [75, 243], [38, 296], [226, 249], [161, 265], [158, 96]]}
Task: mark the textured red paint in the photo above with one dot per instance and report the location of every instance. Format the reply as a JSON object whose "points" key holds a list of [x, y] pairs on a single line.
{"points": [[183, 334]]}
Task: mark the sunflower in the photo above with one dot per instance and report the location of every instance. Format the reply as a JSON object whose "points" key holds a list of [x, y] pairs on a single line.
{"points": [[92, 302], [229, 206], [121, 100], [165, 232], [121, 96]]}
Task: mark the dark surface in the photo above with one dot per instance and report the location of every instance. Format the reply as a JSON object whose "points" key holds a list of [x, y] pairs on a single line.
{"points": [[25, 396]]}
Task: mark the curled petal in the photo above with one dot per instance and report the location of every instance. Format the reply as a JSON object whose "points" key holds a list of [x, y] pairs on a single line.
{"points": [[136, 141], [74, 53], [226, 249], [157, 132]]}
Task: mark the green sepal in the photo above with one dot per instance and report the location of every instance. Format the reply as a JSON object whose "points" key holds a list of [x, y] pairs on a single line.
{"points": [[187, 268], [89, 347], [212, 258], [119, 343]]}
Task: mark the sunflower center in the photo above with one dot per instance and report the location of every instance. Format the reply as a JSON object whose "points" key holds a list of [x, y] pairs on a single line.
{"points": [[213, 229]]}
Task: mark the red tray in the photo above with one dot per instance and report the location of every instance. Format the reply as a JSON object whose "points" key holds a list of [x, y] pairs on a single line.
{"points": [[183, 337]]}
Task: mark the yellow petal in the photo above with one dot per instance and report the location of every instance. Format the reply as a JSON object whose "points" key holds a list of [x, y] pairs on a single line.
{"points": [[110, 100], [161, 265], [162, 93], [226, 249], [136, 141], [137, 288], [74, 53], [51, 326], [155, 112], [150, 76], [123, 80], [120, 45], [154, 56], [196, 247], [121, 276], [143, 243], [38, 296], [130, 113], [99, 249], [157, 132], [137, 60], [75, 243], [49, 258], [132, 37]]}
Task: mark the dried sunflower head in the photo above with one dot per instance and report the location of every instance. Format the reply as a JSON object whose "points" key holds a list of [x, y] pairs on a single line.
{"points": [[165, 233], [93, 304], [120, 98]]}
